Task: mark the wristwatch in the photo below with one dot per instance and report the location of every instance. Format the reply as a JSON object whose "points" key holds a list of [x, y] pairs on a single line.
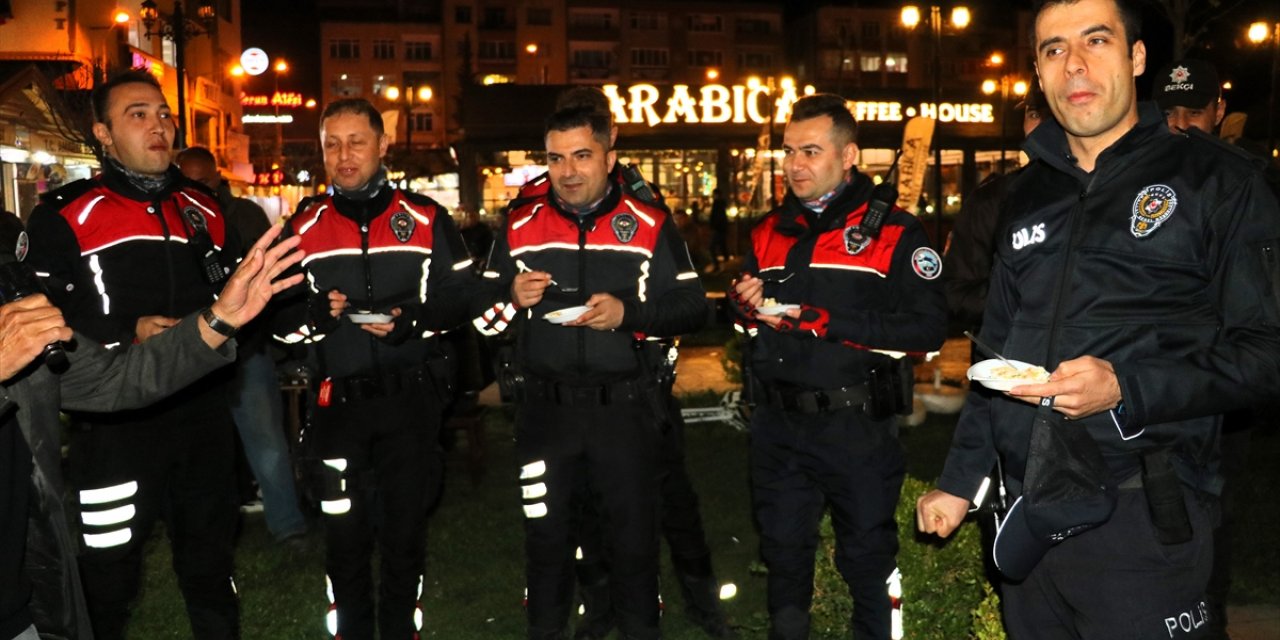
{"points": [[219, 326]]}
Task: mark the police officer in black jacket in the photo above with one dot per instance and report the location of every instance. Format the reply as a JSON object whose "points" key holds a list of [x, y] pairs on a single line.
{"points": [[838, 298], [126, 255], [584, 274], [386, 271], [1140, 267]]}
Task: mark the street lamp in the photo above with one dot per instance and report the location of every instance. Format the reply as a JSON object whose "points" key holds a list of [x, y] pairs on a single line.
{"points": [[406, 100], [178, 27], [1006, 85], [1258, 34], [960, 18], [281, 66], [788, 84]]}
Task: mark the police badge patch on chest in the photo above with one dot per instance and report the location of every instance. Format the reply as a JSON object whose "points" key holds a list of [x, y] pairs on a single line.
{"points": [[1151, 208], [196, 218], [926, 263], [402, 225], [855, 240], [624, 227], [23, 245]]}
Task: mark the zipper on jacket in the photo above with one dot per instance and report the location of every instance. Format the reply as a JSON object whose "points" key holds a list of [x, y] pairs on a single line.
{"points": [[582, 284], [368, 279], [157, 207]]}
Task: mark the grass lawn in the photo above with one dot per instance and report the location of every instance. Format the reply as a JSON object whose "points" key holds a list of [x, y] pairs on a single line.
{"points": [[475, 566]]}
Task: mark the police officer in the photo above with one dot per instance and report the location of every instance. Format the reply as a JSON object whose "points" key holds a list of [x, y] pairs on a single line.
{"points": [[1136, 266], [832, 289], [127, 254], [681, 516], [386, 270], [586, 272]]}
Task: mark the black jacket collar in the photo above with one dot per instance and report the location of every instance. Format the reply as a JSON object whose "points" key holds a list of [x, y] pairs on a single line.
{"points": [[793, 210], [116, 181], [1048, 143], [363, 211]]}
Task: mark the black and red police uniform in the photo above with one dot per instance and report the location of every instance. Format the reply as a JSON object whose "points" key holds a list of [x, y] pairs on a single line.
{"points": [[681, 517], [590, 409], [376, 410], [826, 386], [112, 251]]}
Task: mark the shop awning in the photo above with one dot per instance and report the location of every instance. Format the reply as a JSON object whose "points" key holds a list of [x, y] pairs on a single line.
{"points": [[31, 107]]}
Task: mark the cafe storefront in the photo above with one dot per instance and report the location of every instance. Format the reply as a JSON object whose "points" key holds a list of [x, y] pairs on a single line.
{"points": [[690, 140], [38, 147]]}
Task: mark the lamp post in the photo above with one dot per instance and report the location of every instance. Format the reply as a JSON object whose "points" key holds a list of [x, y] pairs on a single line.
{"points": [[787, 83], [281, 66], [1260, 32], [959, 20], [1005, 85], [405, 100], [178, 27]]}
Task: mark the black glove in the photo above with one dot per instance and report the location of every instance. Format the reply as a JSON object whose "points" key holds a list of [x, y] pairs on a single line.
{"points": [[740, 304], [403, 327], [815, 319], [319, 314]]}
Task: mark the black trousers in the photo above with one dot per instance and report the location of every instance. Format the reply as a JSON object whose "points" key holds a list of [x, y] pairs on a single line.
{"points": [[613, 449], [681, 525], [800, 463], [1117, 581], [129, 475], [384, 464]]}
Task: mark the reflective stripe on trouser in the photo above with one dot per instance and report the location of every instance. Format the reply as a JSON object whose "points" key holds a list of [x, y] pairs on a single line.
{"points": [[614, 448], [799, 464], [127, 476], [386, 457]]}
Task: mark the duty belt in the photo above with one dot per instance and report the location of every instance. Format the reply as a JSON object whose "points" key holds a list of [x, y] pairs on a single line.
{"points": [[382, 385], [816, 400], [595, 395]]}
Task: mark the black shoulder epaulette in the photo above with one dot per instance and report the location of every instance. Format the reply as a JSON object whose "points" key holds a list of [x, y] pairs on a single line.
{"points": [[1257, 162], [306, 203], [66, 194], [188, 183]]}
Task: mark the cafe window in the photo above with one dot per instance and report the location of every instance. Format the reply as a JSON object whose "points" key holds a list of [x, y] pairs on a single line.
{"points": [[871, 62], [420, 121], [895, 63], [345, 85]]}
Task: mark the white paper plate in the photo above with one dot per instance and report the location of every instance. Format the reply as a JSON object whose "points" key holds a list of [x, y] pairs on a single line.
{"points": [[370, 318], [568, 314], [983, 373], [776, 309]]}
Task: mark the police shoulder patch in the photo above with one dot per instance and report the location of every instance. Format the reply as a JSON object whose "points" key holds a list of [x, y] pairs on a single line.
{"points": [[624, 226], [926, 263], [1154, 205], [22, 246], [402, 225]]}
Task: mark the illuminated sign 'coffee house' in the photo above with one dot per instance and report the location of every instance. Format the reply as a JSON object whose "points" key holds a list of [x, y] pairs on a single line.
{"points": [[692, 139]]}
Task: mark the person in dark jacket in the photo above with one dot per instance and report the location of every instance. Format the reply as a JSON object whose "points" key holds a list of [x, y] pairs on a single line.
{"points": [[585, 273], [1140, 267], [719, 222], [41, 589], [256, 404], [833, 308], [386, 272], [967, 262], [125, 255]]}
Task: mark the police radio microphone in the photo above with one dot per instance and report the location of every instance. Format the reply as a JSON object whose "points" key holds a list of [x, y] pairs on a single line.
{"points": [[17, 281], [883, 197]]}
